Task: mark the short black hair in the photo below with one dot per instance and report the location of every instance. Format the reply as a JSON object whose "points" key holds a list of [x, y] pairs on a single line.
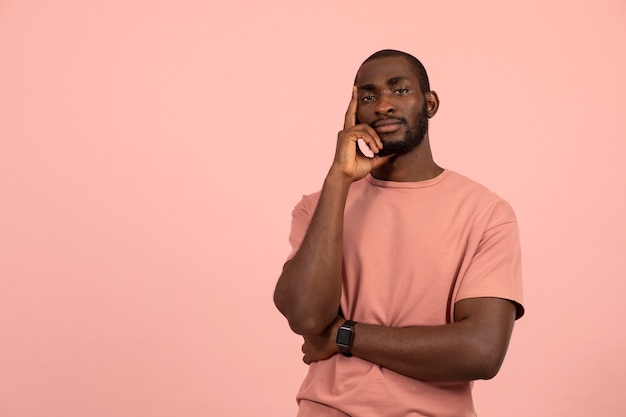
{"points": [[416, 65]]}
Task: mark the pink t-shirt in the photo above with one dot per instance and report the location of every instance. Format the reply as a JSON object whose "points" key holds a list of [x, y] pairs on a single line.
{"points": [[411, 251]]}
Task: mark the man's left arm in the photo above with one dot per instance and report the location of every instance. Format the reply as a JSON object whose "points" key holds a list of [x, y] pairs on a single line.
{"points": [[472, 347]]}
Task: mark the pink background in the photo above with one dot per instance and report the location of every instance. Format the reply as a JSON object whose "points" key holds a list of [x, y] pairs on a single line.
{"points": [[151, 153]]}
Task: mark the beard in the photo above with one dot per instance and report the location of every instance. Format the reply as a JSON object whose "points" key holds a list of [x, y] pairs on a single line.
{"points": [[412, 138]]}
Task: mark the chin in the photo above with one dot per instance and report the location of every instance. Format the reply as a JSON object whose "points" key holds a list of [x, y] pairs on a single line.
{"points": [[391, 141], [399, 147]]}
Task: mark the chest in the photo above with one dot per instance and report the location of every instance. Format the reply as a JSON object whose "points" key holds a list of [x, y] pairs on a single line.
{"points": [[402, 258]]}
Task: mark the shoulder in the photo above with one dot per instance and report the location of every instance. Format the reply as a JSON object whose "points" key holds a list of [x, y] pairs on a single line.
{"points": [[308, 201], [476, 197]]}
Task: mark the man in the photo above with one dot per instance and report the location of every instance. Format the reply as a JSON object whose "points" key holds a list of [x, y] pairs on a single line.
{"points": [[423, 262]]}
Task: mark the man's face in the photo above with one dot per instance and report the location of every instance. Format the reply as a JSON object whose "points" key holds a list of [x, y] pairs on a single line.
{"points": [[391, 102]]}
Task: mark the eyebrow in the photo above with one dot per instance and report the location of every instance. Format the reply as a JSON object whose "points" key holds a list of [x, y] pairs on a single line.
{"points": [[390, 81]]}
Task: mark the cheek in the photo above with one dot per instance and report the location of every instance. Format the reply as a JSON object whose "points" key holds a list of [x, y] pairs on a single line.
{"points": [[419, 109], [361, 116]]}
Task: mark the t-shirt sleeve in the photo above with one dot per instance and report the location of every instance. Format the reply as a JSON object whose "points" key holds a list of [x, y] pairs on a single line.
{"points": [[300, 220], [495, 269]]}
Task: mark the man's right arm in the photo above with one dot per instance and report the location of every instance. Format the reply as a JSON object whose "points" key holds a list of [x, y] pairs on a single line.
{"points": [[309, 289]]}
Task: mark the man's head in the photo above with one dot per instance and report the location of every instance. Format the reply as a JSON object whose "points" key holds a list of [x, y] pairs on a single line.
{"points": [[418, 68], [395, 99]]}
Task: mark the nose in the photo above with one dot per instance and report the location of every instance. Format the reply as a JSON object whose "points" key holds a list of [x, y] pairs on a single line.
{"points": [[385, 105]]}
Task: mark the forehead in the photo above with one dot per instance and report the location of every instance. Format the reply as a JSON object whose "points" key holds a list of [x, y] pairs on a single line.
{"points": [[381, 70]]}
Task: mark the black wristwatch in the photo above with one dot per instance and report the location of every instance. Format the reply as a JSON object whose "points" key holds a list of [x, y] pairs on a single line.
{"points": [[345, 336]]}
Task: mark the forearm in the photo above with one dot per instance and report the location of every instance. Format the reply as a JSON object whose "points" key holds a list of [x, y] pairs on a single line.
{"points": [[309, 289], [473, 347], [439, 353]]}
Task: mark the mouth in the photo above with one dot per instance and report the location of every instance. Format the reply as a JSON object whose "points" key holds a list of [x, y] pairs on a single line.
{"points": [[388, 125]]}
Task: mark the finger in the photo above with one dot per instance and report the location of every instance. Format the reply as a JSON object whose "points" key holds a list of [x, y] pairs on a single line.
{"points": [[378, 161], [374, 135], [351, 112], [367, 140], [365, 150]]}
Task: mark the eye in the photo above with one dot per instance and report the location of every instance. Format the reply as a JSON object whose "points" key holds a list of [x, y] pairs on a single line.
{"points": [[402, 90], [367, 99]]}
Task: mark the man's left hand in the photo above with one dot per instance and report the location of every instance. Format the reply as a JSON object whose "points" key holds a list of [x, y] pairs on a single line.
{"points": [[323, 345]]}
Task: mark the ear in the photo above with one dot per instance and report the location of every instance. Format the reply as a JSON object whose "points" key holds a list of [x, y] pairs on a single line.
{"points": [[432, 103]]}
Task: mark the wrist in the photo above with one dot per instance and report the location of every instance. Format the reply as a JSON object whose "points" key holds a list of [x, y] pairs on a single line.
{"points": [[338, 177], [337, 186]]}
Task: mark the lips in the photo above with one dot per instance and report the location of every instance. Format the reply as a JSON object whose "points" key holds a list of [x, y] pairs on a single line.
{"points": [[388, 125]]}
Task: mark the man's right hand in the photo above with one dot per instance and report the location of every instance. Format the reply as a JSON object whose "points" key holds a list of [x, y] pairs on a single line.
{"points": [[348, 161]]}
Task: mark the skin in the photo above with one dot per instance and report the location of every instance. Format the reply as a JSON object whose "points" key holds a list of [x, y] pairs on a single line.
{"points": [[309, 289]]}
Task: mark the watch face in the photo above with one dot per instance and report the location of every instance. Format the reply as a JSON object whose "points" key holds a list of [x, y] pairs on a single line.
{"points": [[344, 336]]}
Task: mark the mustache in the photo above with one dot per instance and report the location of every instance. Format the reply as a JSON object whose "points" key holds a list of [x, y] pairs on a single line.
{"points": [[401, 119]]}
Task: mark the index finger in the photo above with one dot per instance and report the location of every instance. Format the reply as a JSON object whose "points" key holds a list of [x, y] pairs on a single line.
{"points": [[351, 112]]}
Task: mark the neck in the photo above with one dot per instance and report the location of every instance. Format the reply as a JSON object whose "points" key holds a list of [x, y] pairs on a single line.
{"points": [[417, 165]]}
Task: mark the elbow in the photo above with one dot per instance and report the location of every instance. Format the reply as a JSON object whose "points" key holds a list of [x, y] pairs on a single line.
{"points": [[487, 371], [307, 326], [305, 322], [301, 320], [486, 363]]}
